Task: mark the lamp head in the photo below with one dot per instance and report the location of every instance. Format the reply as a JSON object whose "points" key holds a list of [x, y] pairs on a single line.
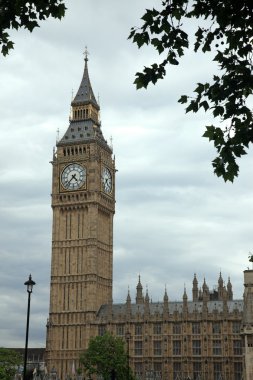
{"points": [[30, 283]]}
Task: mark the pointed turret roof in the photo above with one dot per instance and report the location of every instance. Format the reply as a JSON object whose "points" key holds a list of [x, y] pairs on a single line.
{"points": [[205, 287], [139, 295], [195, 281], [147, 296], [85, 93], [165, 297], [220, 280], [185, 297], [128, 299], [139, 285], [85, 119], [229, 285]]}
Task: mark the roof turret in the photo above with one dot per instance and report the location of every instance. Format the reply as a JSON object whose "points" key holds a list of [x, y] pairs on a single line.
{"points": [[84, 119], [195, 281], [165, 303], [185, 297], [220, 287], [229, 290], [139, 294], [205, 287], [220, 280], [195, 288], [165, 297], [128, 299], [185, 300], [146, 303], [147, 296]]}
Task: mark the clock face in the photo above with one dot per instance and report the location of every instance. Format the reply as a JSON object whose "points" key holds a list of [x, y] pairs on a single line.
{"points": [[106, 180], [73, 177]]}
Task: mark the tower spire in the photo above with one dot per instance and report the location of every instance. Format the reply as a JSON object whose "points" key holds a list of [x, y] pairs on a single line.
{"points": [[85, 95], [84, 116]]}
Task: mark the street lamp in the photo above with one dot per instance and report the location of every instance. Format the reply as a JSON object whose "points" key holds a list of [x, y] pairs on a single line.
{"points": [[29, 284], [128, 337]]}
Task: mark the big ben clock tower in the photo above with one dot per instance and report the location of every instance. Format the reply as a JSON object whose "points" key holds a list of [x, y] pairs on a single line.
{"points": [[83, 203]]}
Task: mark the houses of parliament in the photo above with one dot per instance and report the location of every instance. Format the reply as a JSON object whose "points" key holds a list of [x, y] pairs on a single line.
{"points": [[207, 336]]}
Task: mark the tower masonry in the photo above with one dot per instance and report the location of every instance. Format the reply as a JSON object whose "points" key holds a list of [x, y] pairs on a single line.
{"points": [[83, 204], [247, 324]]}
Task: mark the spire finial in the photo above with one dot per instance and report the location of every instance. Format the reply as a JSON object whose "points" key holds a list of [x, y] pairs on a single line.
{"points": [[111, 144], [86, 53], [57, 135]]}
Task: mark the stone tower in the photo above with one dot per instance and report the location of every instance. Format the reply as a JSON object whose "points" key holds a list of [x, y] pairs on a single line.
{"points": [[83, 203], [247, 324]]}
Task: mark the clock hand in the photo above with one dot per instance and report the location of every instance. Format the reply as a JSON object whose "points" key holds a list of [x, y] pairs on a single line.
{"points": [[73, 176]]}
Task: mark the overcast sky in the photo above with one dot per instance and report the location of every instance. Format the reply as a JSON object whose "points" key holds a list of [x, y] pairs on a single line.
{"points": [[173, 216]]}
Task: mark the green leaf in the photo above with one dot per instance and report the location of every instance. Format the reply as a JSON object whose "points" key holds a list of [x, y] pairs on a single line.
{"points": [[183, 99], [227, 95], [204, 104], [218, 111], [210, 132]]}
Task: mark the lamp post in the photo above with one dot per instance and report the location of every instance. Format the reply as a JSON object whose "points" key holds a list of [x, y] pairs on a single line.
{"points": [[128, 337], [29, 284]]}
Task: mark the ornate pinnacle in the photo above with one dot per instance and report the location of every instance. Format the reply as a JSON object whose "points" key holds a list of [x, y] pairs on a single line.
{"points": [[86, 53]]}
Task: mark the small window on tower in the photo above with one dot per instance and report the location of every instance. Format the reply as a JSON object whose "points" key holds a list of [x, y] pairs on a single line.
{"points": [[236, 327], [177, 328], [216, 328], [195, 327], [157, 328], [101, 330], [157, 346], [196, 347], [120, 330], [217, 347], [138, 347], [176, 347], [138, 329], [237, 347]]}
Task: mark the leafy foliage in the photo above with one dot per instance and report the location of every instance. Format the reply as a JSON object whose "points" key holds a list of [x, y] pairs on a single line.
{"points": [[106, 356], [9, 361], [16, 14], [229, 34]]}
